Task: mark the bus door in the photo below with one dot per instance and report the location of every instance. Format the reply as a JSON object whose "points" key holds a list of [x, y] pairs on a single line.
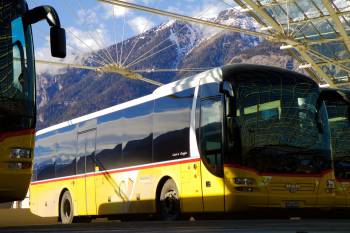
{"points": [[209, 135], [85, 187]]}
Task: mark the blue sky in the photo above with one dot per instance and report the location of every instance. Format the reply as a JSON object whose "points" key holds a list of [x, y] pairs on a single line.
{"points": [[91, 25]]}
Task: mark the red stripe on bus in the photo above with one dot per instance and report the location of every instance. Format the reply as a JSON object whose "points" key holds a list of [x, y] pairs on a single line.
{"points": [[278, 174], [5, 135], [140, 167]]}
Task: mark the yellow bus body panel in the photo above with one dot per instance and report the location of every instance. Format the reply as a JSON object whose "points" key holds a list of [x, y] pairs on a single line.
{"points": [[14, 181], [191, 187], [115, 192], [239, 201], [342, 194], [133, 190], [213, 191]]}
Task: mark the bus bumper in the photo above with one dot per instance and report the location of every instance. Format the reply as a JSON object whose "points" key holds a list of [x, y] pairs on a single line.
{"points": [[14, 184]]}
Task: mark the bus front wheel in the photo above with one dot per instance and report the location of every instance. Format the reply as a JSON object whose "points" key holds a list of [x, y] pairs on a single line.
{"points": [[66, 208], [169, 202]]}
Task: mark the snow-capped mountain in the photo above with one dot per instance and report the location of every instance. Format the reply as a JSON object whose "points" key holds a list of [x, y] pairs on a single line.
{"points": [[173, 44]]}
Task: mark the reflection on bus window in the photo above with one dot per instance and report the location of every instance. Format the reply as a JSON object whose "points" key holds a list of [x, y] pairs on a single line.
{"points": [[340, 134], [277, 125], [210, 133], [17, 69], [18, 42]]}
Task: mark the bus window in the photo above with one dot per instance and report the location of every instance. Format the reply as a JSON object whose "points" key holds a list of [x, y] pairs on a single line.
{"points": [[137, 147], [210, 128], [340, 132], [171, 123]]}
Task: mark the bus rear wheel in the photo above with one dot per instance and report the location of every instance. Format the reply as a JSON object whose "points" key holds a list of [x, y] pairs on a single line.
{"points": [[169, 201], [66, 208]]}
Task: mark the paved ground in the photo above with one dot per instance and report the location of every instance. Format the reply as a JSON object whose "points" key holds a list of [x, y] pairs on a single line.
{"points": [[246, 226], [22, 221], [22, 217]]}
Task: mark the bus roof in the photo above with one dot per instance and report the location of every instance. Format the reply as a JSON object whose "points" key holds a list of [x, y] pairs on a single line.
{"points": [[230, 71]]}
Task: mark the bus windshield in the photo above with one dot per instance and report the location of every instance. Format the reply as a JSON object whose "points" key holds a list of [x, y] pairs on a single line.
{"points": [[282, 127], [17, 100], [339, 123]]}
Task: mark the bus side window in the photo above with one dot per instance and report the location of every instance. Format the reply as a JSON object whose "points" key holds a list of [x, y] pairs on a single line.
{"points": [[210, 129]]}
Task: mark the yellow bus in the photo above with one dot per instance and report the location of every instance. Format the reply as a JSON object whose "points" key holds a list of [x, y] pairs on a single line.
{"points": [[17, 92], [233, 138], [338, 108]]}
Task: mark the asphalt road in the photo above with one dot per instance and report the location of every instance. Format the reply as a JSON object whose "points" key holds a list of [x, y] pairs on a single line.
{"points": [[202, 226]]}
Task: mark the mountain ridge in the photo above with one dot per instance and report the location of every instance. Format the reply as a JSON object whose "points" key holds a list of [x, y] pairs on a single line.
{"points": [[176, 44]]}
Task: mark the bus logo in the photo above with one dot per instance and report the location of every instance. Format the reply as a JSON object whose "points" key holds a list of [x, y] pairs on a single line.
{"points": [[293, 188]]}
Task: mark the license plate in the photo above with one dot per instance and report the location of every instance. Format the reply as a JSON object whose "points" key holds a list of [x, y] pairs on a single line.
{"points": [[292, 204]]}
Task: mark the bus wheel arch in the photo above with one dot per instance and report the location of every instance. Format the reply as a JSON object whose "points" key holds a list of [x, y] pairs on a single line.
{"points": [[65, 196], [167, 199]]}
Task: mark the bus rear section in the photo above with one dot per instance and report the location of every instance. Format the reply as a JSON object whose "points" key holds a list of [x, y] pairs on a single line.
{"points": [[277, 148], [17, 102], [17, 91], [338, 108]]}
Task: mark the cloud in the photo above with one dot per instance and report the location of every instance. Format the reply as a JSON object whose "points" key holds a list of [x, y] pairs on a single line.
{"points": [[175, 9], [79, 42], [88, 40], [140, 24], [87, 16], [113, 11], [209, 10]]}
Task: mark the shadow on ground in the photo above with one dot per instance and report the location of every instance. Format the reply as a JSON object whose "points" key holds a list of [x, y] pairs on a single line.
{"points": [[22, 217]]}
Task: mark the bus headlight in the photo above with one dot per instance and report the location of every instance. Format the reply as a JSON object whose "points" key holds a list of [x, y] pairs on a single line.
{"points": [[21, 153], [244, 181], [20, 165]]}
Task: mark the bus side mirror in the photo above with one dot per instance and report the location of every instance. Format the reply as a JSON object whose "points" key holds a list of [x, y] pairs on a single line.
{"points": [[226, 89], [57, 34], [319, 104], [58, 42]]}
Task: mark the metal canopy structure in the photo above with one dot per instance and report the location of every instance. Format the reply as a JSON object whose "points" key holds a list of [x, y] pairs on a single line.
{"points": [[316, 32]]}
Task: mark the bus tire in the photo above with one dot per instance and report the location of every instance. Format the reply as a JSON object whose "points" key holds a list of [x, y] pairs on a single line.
{"points": [[169, 202], [66, 208]]}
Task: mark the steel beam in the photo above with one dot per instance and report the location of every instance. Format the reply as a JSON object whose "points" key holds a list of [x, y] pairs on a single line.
{"points": [[111, 68], [337, 22], [185, 18], [301, 48]]}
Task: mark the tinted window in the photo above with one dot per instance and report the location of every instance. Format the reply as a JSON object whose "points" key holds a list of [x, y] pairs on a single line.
{"points": [[86, 151], [109, 142], [45, 156], [282, 125], [210, 127], [171, 126], [81, 155], [137, 127], [340, 136], [66, 151]]}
